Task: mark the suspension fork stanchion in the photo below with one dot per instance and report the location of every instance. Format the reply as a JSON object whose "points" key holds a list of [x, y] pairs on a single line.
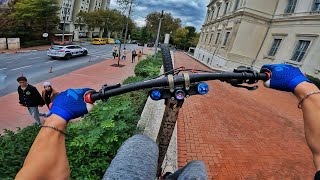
{"points": [[168, 123]]}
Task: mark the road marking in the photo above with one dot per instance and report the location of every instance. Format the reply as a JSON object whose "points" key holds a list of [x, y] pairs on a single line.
{"points": [[20, 68], [51, 61], [3, 69]]}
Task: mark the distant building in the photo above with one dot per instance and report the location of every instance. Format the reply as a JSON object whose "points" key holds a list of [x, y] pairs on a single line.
{"points": [[71, 8], [257, 32]]}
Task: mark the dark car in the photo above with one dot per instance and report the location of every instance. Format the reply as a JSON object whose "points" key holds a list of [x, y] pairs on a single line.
{"points": [[150, 44], [140, 44]]}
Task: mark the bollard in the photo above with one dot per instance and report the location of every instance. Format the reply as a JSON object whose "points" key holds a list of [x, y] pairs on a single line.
{"points": [[50, 70]]}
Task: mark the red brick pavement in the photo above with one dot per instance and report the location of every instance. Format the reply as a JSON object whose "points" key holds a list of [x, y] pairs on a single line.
{"points": [[242, 134], [12, 115]]}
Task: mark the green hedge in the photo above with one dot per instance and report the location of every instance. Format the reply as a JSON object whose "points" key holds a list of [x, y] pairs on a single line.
{"points": [[316, 81], [35, 43], [94, 141]]}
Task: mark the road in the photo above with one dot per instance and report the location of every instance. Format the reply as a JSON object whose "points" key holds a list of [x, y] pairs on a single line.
{"points": [[36, 65]]}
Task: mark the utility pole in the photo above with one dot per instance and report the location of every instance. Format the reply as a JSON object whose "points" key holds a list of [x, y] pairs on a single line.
{"points": [[125, 36], [157, 41], [64, 23]]}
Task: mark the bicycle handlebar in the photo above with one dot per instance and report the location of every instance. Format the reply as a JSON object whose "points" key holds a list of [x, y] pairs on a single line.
{"points": [[178, 80]]}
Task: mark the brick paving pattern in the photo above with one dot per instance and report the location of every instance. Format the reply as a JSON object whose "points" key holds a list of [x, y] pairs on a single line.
{"points": [[12, 115], [242, 134]]}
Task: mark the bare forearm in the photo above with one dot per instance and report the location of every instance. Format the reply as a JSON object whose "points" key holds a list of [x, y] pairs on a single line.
{"points": [[311, 115], [47, 157]]}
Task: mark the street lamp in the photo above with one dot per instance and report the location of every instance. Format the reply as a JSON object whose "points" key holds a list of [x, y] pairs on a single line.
{"points": [[64, 22], [157, 41]]}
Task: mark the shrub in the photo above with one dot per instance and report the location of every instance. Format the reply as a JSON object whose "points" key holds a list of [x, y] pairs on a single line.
{"points": [[91, 143], [149, 67], [35, 43]]}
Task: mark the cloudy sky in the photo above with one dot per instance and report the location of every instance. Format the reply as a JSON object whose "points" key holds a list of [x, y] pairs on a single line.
{"points": [[191, 12]]}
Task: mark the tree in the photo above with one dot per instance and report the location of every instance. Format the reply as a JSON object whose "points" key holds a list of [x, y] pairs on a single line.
{"points": [[180, 37], [108, 20], [194, 40], [36, 15], [169, 23]]}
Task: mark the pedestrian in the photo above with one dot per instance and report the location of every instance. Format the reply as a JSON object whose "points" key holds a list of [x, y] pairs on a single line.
{"points": [[124, 54], [30, 97], [139, 55], [48, 94], [115, 52], [134, 54]]}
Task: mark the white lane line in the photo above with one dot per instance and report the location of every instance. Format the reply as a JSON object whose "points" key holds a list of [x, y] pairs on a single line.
{"points": [[3, 69], [51, 61], [20, 68]]}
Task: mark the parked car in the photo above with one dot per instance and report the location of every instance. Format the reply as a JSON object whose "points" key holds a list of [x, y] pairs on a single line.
{"points": [[99, 41], [110, 40], [66, 52], [150, 44], [117, 41], [140, 44]]}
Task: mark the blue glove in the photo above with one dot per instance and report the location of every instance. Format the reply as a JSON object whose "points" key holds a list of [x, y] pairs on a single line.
{"points": [[284, 77], [70, 104]]}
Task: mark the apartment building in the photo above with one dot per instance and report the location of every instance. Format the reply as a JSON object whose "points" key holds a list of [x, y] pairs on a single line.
{"points": [[257, 32], [71, 8]]}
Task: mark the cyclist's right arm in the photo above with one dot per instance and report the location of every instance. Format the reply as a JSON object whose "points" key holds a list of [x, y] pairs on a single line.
{"points": [[289, 78], [311, 114]]}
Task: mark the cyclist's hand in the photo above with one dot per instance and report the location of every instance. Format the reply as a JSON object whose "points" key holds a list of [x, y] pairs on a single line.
{"points": [[283, 77], [70, 104]]}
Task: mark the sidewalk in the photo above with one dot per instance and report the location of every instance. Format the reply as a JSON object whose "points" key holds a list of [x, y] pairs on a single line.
{"points": [[12, 115], [22, 50], [242, 134]]}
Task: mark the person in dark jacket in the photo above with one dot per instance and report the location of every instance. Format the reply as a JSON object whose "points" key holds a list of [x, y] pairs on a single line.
{"points": [[30, 97], [48, 94]]}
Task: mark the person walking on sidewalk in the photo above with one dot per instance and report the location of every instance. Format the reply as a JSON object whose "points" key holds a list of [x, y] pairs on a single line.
{"points": [[124, 54], [134, 54], [115, 52], [30, 97], [48, 94], [139, 55]]}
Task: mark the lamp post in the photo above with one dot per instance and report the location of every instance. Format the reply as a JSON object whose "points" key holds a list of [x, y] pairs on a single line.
{"points": [[125, 36], [157, 41], [64, 22]]}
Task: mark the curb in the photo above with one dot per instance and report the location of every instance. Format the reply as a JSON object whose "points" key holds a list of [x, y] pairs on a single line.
{"points": [[150, 123]]}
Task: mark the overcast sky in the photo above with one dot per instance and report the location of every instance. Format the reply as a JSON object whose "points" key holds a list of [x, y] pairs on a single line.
{"points": [[191, 12]]}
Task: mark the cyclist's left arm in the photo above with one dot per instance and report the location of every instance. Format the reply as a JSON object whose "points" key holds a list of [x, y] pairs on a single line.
{"points": [[47, 158]]}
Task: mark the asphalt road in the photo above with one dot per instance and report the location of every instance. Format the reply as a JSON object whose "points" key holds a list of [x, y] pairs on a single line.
{"points": [[36, 65]]}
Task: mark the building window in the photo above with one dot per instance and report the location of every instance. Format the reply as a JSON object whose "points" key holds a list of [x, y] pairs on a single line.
{"points": [[226, 8], [205, 40], [300, 50], [316, 6], [226, 37], [291, 6], [274, 48], [210, 38], [212, 14], [218, 11], [236, 6], [218, 36]]}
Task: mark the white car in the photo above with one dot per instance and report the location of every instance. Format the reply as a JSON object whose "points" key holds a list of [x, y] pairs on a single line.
{"points": [[66, 52]]}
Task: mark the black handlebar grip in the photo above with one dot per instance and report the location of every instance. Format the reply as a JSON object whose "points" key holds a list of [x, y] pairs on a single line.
{"points": [[265, 76], [91, 97]]}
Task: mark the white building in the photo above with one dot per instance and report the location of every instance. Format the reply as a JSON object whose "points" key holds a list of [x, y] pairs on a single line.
{"points": [[257, 32], [71, 8]]}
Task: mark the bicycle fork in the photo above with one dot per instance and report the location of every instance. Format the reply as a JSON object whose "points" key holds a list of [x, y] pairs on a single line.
{"points": [[168, 123]]}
